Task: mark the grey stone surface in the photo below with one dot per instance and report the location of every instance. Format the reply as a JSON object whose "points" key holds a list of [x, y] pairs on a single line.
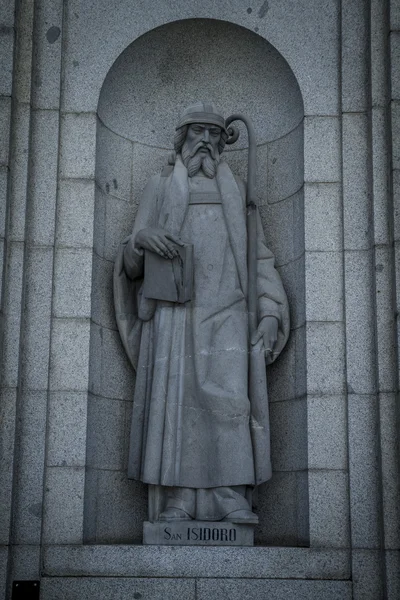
{"points": [[214, 589], [321, 149], [147, 160], [138, 75], [354, 56], [289, 435], [363, 464], [102, 311], [117, 374], [113, 162], [75, 210], [381, 192], [324, 286], [110, 588], [47, 58], [157, 561], [7, 13], [282, 374], [19, 171], [25, 562], [43, 176], [99, 221], [63, 505], [69, 358], [106, 444], [3, 199], [329, 509], [392, 560], [367, 574], [119, 219], [23, 53], [379, 24], [394, 15], [395, 114], [8, 399], [3, 569], [72, 282], [37, 315], [6, 59], [285, 165], [12, 318], [197, 533], [360, 338], [323, 217], [78, 144], [28, 483], [5, 114], [67, 422], [396, 204], [325, 358], [390, 469], [293, 278], [326, 432]]}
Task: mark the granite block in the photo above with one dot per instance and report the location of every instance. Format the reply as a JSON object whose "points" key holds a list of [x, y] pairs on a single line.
{"points": [[357, 209], [364, 477], [105, 434], [147, 161], [93, 588], [327, 432], [394, 15], [47, 57], [354, 50], [379, 51], [23, 54], [197, 533], [99, 221], [381, 192], [395, 64], [19, 171], [396, 204], [7, 13], [67, 423], [72, 282], [37, 317], [2, 257], [289, 435], [321, 149], [3, 570], [69, 362], [278, 506], [118, 225], [329, 509], [103, 312], [117, 378], [301, 361], [6, 59], [113, 163], [282, 374], [293, 278], [392, 563], [360, 336], [283, 228], [12, 318], [285, 165], [3, 200], [395, 114], [25, 562], [5, 116], [324, 286], [78, 145], [29, 456], [43, 177], [261, 562], [290, 589], [8, 399], [121, 508], [325, 358], [368, 574], [63, 505], [75, 210], [385, 319], [322, 217], [95, 366], [389, 447]]}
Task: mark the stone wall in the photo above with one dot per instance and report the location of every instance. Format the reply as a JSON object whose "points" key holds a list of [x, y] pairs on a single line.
{"points": [[322, 86]]}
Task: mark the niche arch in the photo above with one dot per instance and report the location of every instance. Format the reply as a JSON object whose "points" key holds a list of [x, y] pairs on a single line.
{"points": [[143, 93]]}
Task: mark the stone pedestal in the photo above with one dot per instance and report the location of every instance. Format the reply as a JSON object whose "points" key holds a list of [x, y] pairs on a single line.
{"points": [[197, 533]]}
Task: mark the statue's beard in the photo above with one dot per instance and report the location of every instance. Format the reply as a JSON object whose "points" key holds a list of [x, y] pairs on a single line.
{"points": [[195, 160]]}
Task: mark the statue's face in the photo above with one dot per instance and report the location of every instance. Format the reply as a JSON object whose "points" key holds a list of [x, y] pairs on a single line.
{"points": [[203, 138]]}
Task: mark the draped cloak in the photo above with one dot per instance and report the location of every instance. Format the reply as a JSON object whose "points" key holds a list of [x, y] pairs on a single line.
{"points": [[200, 408]]}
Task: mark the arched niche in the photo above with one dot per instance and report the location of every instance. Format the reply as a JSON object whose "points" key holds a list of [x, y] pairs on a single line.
{"points": [[145, 90]]}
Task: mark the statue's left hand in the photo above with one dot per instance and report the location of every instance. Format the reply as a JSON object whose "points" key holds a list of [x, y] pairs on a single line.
{"points": [[268, 330]]}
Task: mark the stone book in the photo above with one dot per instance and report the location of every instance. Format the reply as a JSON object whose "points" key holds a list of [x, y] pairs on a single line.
{"points": [[169, 279]]}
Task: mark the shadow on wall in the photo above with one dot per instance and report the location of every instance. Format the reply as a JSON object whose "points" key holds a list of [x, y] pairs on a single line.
{"points": [[145, 90]]}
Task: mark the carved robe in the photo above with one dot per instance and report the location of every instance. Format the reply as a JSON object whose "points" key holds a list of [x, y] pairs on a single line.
{"points": [[193, 423]]}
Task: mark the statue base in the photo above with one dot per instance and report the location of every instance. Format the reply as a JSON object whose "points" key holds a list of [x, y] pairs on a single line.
{"points": [[197, 533]]}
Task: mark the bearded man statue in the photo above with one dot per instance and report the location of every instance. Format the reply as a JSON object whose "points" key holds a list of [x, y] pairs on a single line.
{"points": [[193, 432]]}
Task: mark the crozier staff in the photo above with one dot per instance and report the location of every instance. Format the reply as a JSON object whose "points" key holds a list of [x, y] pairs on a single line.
{"points": [[194, 428]]}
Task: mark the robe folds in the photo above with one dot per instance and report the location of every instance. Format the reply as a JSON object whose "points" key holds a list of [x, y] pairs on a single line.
{"points": [[200, 408]]}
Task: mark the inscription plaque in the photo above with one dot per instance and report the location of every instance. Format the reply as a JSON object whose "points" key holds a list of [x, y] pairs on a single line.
{"points": [[198, 533]]}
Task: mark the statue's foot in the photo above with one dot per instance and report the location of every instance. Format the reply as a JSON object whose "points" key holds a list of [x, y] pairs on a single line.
{"points": [[174, 514], [242, 516]]}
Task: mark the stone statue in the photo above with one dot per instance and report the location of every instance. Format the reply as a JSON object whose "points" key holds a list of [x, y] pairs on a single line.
{"points": [[194, 430]]}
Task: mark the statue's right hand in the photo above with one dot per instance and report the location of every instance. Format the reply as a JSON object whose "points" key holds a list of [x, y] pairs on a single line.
{"points": [[158, 240]]}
